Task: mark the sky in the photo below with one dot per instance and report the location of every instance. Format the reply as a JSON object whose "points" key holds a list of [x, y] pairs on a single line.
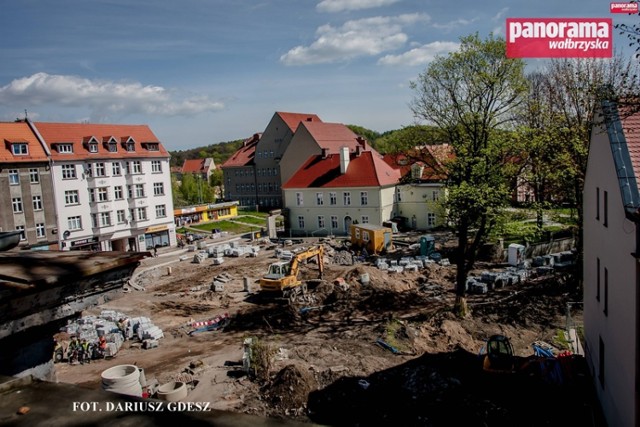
{"points": [[199, 72]]}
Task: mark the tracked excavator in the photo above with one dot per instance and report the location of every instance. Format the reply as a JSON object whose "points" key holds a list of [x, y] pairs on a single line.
{"points": [[282, 276]]}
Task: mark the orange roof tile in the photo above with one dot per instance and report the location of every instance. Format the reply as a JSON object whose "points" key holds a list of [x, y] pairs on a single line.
{"points": [[293, 119], [193, 166], [331, 135], [20, 132], [366, 170], [77, 133], [245, 154]]}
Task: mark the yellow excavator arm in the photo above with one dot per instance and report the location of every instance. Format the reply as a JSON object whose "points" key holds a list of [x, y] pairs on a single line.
{"points": [[290, 279]]}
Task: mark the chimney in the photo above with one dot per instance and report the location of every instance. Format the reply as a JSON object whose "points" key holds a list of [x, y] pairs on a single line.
{"points": [[361, 141], [358, 150], [344, 159], [325, 153]]}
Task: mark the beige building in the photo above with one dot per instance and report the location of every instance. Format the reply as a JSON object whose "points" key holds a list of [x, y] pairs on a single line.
{"points": [[611, 272]]}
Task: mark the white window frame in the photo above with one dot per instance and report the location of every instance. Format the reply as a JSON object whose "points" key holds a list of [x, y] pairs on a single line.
{"points": [[319, 199], [118, 192], [14, 177], [364, 198], [136, 167], [69, 172], [301, 222], [20, 149], [40, 230], [101, 169], [299, 199], [37, 202], [365, 219], [102, 194], [141, 214], [161, 211], [121, 216], [346, 198], [71, 197], [158, 188], [34, 176], [116, 169], [65, 148], [23, 235], [156, 166], [333, 198], [334, 222], [105, 219], [74, 222], [16, 205]]}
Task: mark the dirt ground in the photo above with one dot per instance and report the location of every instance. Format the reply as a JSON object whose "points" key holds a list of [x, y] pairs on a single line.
{"points": [[347, 353]]}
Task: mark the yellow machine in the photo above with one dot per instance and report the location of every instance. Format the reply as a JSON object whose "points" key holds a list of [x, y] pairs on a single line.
{"points": [[283, 275]]}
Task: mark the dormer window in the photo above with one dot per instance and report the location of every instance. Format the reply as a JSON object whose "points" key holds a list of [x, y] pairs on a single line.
{"points": [[64, 148], [151, 146], [131, 146], [113, 147], [93, 147], [19, 149], [416, 171]]}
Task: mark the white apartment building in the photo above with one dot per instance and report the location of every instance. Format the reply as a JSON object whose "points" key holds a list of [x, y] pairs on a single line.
{"points": [[112, 186]]}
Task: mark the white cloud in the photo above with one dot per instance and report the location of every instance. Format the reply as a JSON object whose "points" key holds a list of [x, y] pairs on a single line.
{"points": [[362, 37], [342, 5], [102, 97], [454, 25], [420, 55]]}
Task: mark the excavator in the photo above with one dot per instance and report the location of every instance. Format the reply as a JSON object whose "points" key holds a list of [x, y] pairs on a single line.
{"points": [[282, 276]]}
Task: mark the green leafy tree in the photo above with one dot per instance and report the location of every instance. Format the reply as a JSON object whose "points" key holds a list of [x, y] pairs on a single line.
{"points": [[470, 95]]}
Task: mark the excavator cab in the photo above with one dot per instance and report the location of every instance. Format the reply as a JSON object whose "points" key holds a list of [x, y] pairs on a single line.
{"points": [[498, 355], [278, 270]]}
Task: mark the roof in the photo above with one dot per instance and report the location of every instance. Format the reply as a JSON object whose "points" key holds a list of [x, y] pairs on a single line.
{"points": [[293, 119], [80, 134], [432, 158], [364, 170], [196, 166], [331, 136], [245, 155], [20, 132]]}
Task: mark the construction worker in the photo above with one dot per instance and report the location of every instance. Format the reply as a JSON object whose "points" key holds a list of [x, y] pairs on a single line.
{"points": [[73, 349], [84, 352]]}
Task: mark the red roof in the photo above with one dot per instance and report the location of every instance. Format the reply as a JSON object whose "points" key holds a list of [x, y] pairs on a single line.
{"points": [[244, 155], [293, 119], [631, 126], [331, 135], [20, 132], [364, 170], [79, 134], [432, 158], [194, 166]]}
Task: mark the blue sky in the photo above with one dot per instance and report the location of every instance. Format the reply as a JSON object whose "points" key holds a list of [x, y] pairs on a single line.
{"points": [[200, 72]]}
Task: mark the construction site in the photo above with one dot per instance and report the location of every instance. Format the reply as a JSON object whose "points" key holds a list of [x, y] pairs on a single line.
{"points": [[317, 331]]}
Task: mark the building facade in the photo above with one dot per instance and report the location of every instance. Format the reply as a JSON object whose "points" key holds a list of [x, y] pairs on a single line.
{"points": [[610, 266], [112, 186], [26, 187]]}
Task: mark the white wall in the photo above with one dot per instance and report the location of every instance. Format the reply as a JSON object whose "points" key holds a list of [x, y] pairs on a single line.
{"points": [[613, 245]]}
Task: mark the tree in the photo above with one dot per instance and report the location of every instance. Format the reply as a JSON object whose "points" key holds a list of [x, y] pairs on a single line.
{"points": [[470, 95]]}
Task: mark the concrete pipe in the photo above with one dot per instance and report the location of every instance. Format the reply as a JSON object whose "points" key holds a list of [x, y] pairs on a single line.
{"points": [[122, 379], [172, 391]]}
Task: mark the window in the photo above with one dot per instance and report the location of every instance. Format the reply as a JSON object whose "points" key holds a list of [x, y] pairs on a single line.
{"points": [[333, 199], [161, 211], [139, 190], [357, 233], [68, 171], [94, 220], [92, 195], [365, 219], [132, 214], [598, 203], [37, 203], [16, 203], [116, 170], [71, 197], [74, 223], [158, 188], [113, 147], [105, 219], [93, 147], [431, 219], [598, 279], [121, 216], [334, 222], [320, 199], [301, 222], [299, 199], [103, 194], [65, 148], [346, 197], [127, 168], [22, 234], [20, 149], [100, 169], [605, 220], [605, 304], [136, 166], [141, 214], [398, 195], [88, 170], [320, 221], [365, 236], [14, 177], [131, 146], [601, 362], [364, 198], [40, 230], [34, 176], [117, 192], [152, 146], [156, 166], [434, 195]]}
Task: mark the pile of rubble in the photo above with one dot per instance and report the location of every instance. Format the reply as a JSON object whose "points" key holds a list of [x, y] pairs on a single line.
{"points": [[232, 249]]}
